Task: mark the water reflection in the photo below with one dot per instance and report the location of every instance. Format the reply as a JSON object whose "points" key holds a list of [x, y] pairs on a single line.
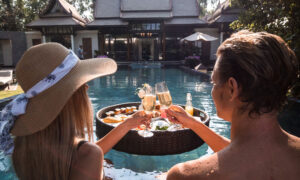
{"points": [[121, 86]]}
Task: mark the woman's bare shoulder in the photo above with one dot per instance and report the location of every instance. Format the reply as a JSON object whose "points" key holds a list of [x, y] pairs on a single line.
{"points": [[203, 168], [88, 163], [88, 154], [89, 149]]}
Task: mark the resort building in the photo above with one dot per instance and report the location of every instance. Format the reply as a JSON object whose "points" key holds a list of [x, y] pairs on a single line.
{"points": [[145, 29], [133, 30]]}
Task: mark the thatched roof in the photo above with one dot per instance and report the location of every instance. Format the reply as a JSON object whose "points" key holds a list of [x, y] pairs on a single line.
{"points": [[57, 13]]}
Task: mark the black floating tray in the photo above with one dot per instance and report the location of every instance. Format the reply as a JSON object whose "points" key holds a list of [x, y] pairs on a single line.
{"points": [[161, 143]]}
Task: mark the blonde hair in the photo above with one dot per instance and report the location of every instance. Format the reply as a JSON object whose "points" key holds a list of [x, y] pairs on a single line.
{"points": [[48, 154]]}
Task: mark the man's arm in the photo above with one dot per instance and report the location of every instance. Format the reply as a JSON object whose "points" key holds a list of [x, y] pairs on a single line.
{"points": [[214, 140]]}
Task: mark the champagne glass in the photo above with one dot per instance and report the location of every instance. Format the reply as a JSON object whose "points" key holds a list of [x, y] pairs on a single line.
{"points": [[165, 100], [148, 103], [163, 95]]}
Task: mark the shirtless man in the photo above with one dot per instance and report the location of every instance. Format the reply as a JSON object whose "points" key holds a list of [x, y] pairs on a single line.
{"points": [[250, 79]]}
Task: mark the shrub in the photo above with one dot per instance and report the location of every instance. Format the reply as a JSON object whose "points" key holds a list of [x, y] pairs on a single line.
{"points": [[192, 61]]}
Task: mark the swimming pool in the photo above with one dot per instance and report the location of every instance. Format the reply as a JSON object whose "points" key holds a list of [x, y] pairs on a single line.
{"points": [[119, 88]]}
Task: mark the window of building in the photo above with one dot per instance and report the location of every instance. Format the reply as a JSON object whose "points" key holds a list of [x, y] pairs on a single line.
{"points": [[36, 41], [145, 26]]}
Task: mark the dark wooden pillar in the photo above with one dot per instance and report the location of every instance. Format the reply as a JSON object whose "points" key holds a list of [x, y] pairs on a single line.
{"points": [[164, 45], [102, 44], [109, 45], [128, 48], [205, 52], [155, 50]]}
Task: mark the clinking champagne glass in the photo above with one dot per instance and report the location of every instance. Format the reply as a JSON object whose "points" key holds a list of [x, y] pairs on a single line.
{"points": [[148, 104], [165, 100], [163, 95]]}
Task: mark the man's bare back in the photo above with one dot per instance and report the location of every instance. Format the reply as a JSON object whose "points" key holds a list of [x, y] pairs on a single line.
{"points": [[248, 161]]}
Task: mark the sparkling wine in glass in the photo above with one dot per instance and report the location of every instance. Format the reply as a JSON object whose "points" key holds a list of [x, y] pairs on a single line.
{"points": [[148, 104], [163, 94], [164, 98]]}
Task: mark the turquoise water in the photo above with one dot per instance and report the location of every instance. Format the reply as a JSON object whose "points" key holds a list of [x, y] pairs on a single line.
{"points": [[119, 88]]}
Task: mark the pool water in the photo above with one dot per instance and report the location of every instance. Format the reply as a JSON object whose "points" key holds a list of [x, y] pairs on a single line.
{"points": [[120, 88]]}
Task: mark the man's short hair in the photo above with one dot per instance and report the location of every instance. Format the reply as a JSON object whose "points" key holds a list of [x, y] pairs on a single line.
{"points": [[263, 66]]}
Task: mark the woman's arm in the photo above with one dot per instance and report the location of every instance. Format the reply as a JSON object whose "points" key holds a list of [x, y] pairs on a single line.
{"points": [[115, 135], [215, 141]]}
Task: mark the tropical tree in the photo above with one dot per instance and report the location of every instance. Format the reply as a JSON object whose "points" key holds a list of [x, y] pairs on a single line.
{"points": [[15, 14], [281, 17], [203, 6]]}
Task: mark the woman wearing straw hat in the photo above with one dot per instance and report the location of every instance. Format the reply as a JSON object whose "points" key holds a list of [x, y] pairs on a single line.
{"points": [[50, 120], [250, 80]]}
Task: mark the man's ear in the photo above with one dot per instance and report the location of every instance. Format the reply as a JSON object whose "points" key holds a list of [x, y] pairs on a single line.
{"points": [[233, 88]]}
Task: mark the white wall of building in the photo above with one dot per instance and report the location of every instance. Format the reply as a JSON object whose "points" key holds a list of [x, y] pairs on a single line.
{"points": [[213, 44], [93, 34], [32, 35], [6, 48]]}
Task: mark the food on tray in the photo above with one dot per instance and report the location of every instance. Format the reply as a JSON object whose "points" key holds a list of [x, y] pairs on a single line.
{"points": [[110, 113], [128, 110], [123, 110], [141, 127], [160, 125], [110, 119], [123, 117], [158, 122], [117, 111], [133, 108]]}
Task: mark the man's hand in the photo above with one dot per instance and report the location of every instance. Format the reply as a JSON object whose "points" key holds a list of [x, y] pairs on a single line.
{"points": [[178, 115]]}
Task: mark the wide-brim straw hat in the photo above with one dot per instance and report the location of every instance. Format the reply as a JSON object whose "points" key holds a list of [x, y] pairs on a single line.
{"points": [[36, 64]]}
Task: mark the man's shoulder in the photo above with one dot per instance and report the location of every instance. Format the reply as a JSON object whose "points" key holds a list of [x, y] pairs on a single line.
{"points": [[294, 141], [203, 168]]}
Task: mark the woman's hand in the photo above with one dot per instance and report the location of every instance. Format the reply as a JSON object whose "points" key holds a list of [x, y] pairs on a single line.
{"points": [[137, 119], [178, 115]]}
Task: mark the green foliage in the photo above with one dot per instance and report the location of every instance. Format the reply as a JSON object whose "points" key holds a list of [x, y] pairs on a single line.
{"points": [[15, 14], [281, 17], [274, 16], [192, 61], [203, 6], [84, 7]]}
